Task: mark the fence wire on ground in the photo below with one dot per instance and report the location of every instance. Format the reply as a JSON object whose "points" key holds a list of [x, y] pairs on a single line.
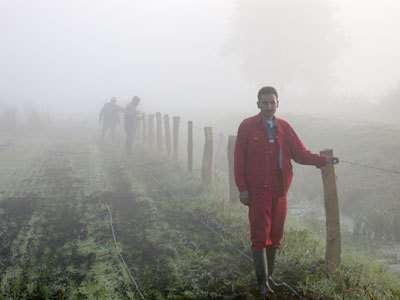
{"points": [[116, 245], [120, 255], [282, 283], [223, 136]]}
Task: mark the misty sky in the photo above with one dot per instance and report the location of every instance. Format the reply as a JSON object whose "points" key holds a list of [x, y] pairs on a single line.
{"points": [[72, 56]]}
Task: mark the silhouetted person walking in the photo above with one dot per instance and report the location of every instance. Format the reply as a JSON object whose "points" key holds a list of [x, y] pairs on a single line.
{"points": [[109, 116], [131, 119]]}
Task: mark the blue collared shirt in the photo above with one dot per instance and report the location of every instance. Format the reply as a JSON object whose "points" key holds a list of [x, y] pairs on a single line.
{"points": [[271, 127]]}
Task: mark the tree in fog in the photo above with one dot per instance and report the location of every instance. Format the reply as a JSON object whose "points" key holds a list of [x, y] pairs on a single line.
{"points": [[286, 42]]}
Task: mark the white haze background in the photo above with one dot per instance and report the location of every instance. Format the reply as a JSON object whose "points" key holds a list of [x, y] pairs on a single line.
{"points": [[70, 57]]}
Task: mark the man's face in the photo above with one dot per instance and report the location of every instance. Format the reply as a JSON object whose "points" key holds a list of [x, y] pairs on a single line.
{"points": [[268, 103]]}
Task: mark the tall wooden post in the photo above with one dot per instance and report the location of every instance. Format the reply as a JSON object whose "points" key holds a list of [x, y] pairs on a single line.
{"points": [[233, 190], [333, 239], [167, 135], [190, 147], [175, 136], [144, 128], [151, 134], [207, 157], [159, 134]]}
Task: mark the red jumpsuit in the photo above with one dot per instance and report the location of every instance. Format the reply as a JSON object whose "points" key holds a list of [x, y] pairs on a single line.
{"points": [[265, 170]]}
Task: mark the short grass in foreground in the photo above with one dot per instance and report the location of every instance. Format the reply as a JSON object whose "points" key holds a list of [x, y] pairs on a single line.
{"points": [[300, 261]]}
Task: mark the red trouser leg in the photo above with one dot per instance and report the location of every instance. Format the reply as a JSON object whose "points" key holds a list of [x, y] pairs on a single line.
{"points": [[260, 219], [279, 210], [267, 214]]}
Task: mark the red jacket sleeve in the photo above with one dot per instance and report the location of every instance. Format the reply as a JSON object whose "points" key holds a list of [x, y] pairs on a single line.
{"points": [[240, 157], [301, 155]]}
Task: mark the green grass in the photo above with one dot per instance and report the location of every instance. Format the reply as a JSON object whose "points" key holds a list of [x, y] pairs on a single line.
{"points": [[300, 261], [362, 191], [64, 249], [59, 245]]}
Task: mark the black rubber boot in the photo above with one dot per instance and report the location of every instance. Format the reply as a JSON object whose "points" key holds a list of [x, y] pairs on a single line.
{"points": [[271, 252], [261, 270]]}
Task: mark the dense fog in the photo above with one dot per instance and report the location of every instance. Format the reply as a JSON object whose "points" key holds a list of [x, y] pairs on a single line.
{"points": [[104, 180], [327, 57]]}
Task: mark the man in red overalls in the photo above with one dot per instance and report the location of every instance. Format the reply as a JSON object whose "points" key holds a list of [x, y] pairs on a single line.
{"points": [[263, 173]]}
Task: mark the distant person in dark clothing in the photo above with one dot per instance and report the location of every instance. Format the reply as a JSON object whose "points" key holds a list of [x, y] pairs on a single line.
{"points": [[131, 119], [109, 116]]}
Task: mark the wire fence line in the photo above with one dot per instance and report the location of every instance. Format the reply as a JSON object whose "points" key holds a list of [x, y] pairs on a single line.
{"points": [[232, 246], [213, 230], [370, 167], [222, 134], [120, 148], [120, 255], [219, 133]]}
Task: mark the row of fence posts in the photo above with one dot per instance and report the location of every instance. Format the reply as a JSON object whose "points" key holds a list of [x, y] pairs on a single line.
{"points": [[152, 136]]}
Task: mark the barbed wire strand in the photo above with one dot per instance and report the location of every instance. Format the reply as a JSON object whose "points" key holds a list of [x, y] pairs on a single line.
{"points": [[213, 230], [120, 255], [205, 224], [344, 161], [202, 222], [112, 230], [370, 167], [218, 132], [230, 243]]}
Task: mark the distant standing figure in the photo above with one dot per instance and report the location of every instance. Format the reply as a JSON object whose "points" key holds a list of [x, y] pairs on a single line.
{"points": [[109, 116], [131, 119]]}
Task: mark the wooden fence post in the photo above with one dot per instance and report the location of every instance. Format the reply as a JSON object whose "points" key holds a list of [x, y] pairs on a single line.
{"points": [[333, 239], [151, 134], [190, 147], [233, 190], [207, 157], [159, 134], [175, 136], [144, 128], [167, 134]]}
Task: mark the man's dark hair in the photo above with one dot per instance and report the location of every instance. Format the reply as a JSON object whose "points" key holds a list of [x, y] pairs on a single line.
{"points": [[267, 90]]}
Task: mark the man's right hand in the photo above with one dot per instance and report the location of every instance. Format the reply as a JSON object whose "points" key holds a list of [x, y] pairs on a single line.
{"points": [[244, 198]]}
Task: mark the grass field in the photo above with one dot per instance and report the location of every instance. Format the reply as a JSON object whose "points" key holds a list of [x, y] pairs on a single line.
{"points": [[178, 240]]}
